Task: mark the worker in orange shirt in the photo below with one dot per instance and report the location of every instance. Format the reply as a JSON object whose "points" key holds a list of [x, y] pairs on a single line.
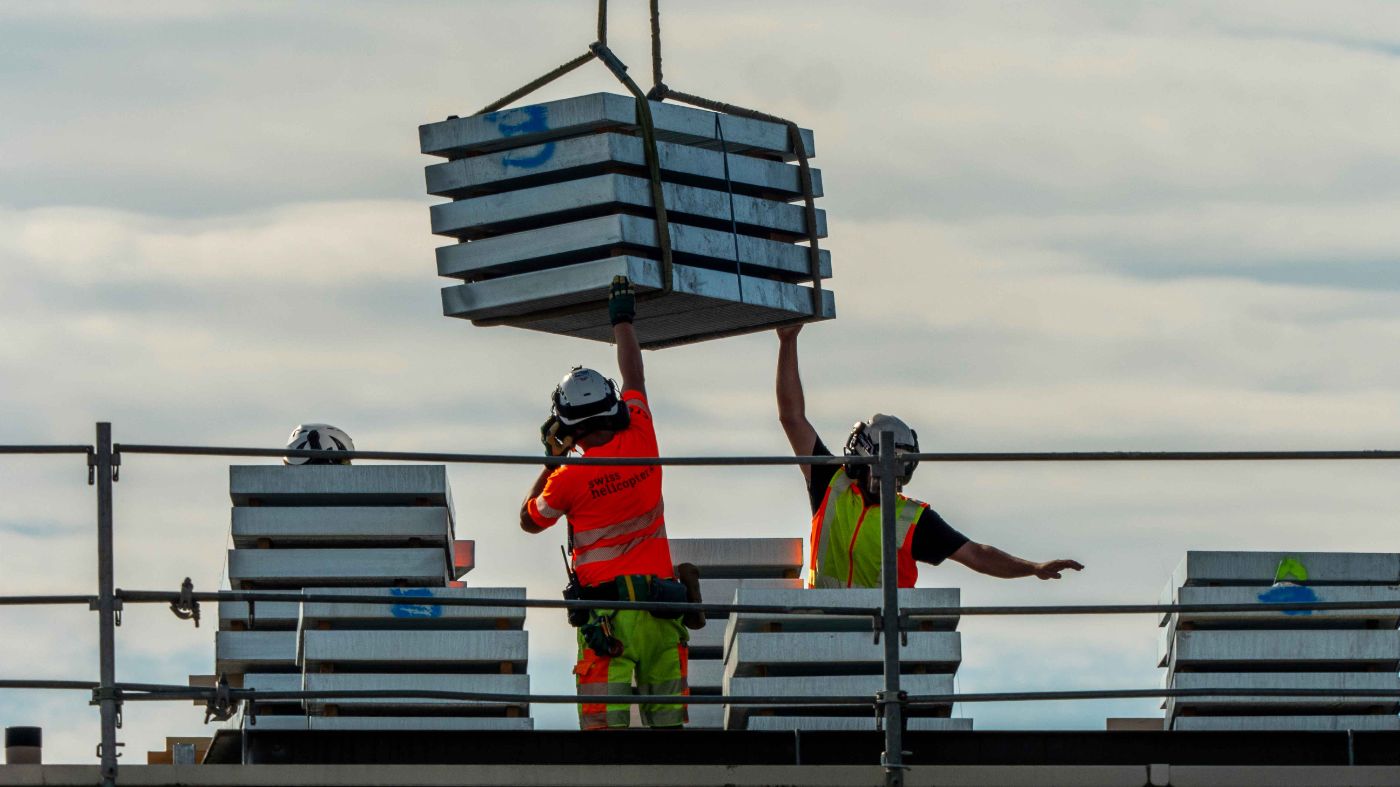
{"points": [[617, 534]]}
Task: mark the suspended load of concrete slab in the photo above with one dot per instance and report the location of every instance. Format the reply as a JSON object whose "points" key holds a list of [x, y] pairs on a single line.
{"points": [[551, 201]]}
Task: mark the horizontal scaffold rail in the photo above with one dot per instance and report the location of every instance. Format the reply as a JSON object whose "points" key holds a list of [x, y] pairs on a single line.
{"points": [[155, 692], [45, 449], [167, 596], [62, 685], [721, 461]]}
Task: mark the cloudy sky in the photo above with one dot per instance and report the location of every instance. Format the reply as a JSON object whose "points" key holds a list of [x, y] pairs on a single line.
{"points": [[1054, 226]]}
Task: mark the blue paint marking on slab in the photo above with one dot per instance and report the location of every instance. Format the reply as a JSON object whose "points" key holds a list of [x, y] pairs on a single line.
{"points": [[1290, 594], [414, 610], [525, 120]]}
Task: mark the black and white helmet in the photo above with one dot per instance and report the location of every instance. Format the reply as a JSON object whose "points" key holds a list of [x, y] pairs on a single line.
{"points": [[586, 401], [864, 440], [318, 437]]}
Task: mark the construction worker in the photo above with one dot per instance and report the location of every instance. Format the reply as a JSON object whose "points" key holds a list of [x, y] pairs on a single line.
{"points": [[617, 534], [318, 437], [845, 548]]}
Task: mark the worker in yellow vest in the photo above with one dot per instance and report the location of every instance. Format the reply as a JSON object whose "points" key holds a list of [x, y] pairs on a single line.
{"points": [[846, 519]]}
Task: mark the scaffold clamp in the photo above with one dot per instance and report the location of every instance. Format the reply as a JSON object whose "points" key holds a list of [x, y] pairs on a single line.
{"points": [[185, 607], [221, 705]]}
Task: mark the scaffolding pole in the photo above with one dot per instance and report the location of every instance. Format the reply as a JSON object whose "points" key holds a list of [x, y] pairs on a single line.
{"points": [[106, 694]]}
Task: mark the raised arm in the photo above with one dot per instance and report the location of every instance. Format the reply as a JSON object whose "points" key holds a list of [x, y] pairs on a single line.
{"points": [[989, 560], [622, 308], [792, 404]]}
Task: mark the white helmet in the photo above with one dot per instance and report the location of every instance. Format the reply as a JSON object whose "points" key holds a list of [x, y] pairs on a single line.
{"points": [[864, 440], [586, 401], [318, 437]]}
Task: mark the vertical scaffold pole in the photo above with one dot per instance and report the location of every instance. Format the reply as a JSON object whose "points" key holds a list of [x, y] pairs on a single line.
{"points": [[893, 758], [106, 608]]}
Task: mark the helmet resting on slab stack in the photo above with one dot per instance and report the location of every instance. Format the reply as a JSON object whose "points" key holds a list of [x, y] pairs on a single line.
{"points": [[318, 437]]}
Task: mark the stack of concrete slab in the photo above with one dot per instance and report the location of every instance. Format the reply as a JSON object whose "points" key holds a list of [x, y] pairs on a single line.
{"points": [[551, 201], [380, 531], [727, 564], [1264, 648], [782, 655]]}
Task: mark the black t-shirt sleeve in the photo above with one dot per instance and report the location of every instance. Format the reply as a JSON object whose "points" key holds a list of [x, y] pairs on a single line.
{"points": [[821, 476], [935, 539]]}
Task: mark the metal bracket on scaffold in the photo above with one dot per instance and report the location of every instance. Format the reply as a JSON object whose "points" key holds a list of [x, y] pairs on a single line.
{"points": [[185, 607], [878, 624], [221, 706]]}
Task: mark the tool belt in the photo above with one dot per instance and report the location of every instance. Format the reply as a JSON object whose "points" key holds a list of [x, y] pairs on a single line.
{"points": [[632, 587], [596, 626]]}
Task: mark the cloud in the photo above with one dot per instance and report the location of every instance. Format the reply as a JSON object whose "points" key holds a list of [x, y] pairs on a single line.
{"points": [[1054, 227]]}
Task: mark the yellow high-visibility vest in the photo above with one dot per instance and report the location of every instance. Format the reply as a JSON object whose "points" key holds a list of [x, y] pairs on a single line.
{"points": [[845, 542]]}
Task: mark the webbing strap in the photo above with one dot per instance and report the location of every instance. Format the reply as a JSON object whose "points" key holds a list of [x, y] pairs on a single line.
{"points": [[660, 92], [531, 87], [809, 204], [656, 84], [658, 199], [733, 220]]}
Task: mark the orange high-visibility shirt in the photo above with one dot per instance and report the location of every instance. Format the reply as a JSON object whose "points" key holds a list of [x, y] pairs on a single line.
{"points": [[616, 512]]}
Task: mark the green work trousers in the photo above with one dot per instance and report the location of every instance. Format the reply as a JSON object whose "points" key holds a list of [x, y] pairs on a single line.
{"points": [[653, 659]]}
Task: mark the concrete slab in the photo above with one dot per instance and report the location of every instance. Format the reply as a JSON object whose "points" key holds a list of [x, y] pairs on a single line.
{"points": [[853, 723], [736, 716], [559, 203], [708, 642], [274, 723], [341, 526], [273, 682], [1350, 681], [595, 154], [487, 683], [249, 651], [721, 591], [1134, 724], [425, 723], [1265, 597], [462, 651], [1344, 650], [293, 568], [840, 653], [741, 558], [266, 615], [1315, 723], [340, 485], [702, 301], [837, 597], [1259, 568], [706, 676], [705, 717], [538, 124], [411, 608], [451, 723], [606, 236]]}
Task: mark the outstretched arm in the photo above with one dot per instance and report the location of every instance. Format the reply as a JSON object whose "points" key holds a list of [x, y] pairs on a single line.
{"points": [[622, 308], [792, 404], [989, 560]]}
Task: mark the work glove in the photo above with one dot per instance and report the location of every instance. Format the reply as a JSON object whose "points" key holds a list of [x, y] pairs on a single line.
{"points": [[554, 445], [622, 301]]}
